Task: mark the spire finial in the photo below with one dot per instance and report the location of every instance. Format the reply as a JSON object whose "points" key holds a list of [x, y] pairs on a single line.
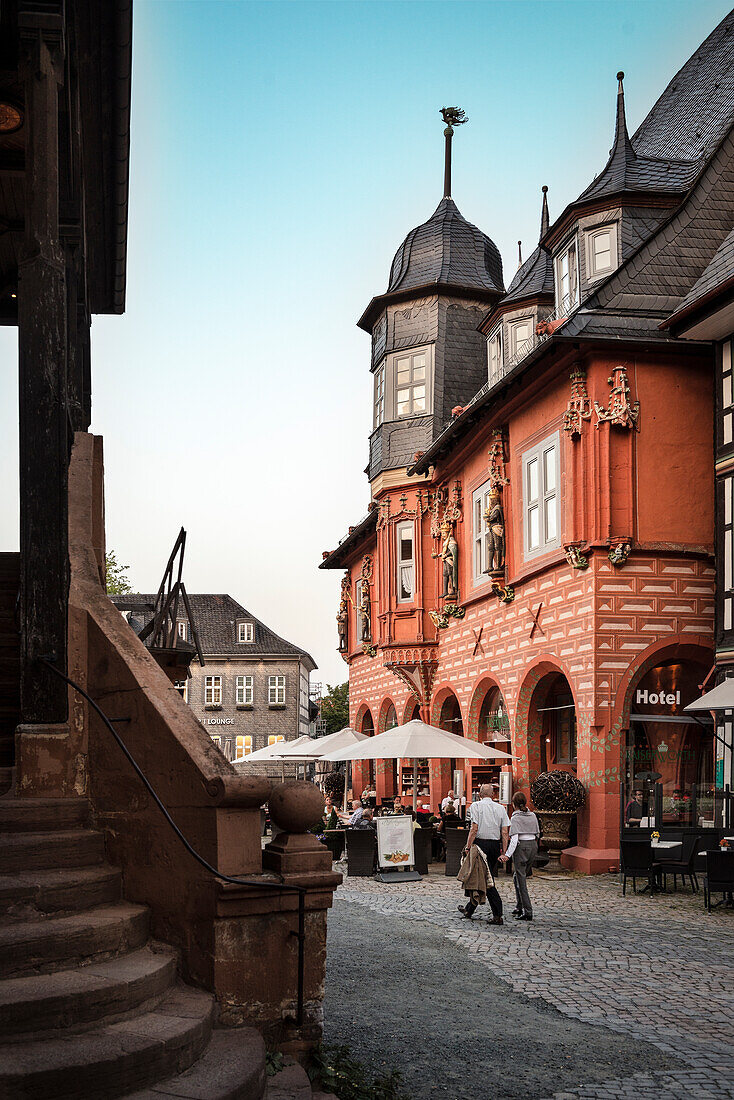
{"points": [[452, 116], [544, 215], [621, 137], [519, 253]]}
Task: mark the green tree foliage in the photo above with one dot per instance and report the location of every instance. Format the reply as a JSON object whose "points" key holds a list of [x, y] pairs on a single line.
{"points": [[117, 583], [335, 707]]}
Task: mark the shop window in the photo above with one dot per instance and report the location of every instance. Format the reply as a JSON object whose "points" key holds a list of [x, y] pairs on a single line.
{"points": [[406, 562], [182, 687], [567, 280], [245, 632], [243, 747], [244, 691], [601, 251], [542, 505], [276, 691], [212, 691]]}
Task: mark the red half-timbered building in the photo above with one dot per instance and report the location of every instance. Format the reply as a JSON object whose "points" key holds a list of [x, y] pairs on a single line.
{"points": [[536, 566]]}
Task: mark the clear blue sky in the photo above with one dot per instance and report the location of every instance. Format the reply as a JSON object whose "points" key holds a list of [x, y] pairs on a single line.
{"points": [[280, 153]]}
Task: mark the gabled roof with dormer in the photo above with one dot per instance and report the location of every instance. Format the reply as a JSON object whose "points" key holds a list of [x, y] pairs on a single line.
{"points": [[534, 278]]}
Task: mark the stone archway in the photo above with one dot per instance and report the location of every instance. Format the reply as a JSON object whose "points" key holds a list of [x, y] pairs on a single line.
{"points": [[488, 721], [536, 725], [386, 771], [447, 715], [363, 770], [411, 710]]}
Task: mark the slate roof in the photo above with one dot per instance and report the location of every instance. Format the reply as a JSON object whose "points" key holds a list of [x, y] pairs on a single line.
{"points": [[216, 616], [656, 278], [697, 107], [629, 170], [449, 250], [715, 277], [535, 276], [339, 557]]}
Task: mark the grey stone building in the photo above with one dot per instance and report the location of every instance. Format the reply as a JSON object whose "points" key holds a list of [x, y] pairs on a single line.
{"points": [[254, 687]]}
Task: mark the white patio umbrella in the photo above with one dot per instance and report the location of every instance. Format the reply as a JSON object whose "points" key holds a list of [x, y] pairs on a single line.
{"points": [[413, 741], [274, 753], [318, 747]]}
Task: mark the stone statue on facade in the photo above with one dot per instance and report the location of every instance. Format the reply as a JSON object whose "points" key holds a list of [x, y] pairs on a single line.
{"points": [[342, 621], [494, 517], [365, 613], [449, 554]]}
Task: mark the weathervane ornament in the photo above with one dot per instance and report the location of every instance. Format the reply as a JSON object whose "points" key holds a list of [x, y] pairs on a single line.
{"points": [[452, 116]]}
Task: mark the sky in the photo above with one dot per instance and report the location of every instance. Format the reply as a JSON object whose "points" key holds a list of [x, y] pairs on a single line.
{"points": [[280, 153]]}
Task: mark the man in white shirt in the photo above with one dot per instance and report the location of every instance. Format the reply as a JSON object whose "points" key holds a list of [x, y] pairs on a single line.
{"points": [[449, 798], [357, 811], [490, 827]]}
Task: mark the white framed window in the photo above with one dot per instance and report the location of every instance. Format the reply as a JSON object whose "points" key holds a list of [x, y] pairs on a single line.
{"points": [[212, 691], [601, 251], [406, 562], [494, 356], [728, 526], [242, 746], [273, 740], [542, 498], [411, 383], [276, 691], [521, 336], [567, 279], [182, 629], [727, 395], [217, 740], [480, 504], [245, 632], [243, 691], [379, 395], [182, 687]]}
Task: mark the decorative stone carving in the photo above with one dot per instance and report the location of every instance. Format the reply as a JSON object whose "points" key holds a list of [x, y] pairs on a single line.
{"points": [[368, 649], [494, 517], [497, 473], [449, 554], [383, 513], [440, 619], [295, 806], [621, 411], [574, 556], [342, 618], [504, 592], [579, 407], [619, 552]]}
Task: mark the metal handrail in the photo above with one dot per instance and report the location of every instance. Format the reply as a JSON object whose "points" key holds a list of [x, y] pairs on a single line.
{"points": [[50, 663]]}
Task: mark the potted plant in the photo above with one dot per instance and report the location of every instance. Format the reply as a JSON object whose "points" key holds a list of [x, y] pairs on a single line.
{"points": [[556, 797]]}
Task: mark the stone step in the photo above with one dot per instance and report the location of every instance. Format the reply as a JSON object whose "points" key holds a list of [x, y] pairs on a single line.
{"points": [[40, 851], [231, 1068], [113, 1059], [32, 892], [57, 943], [83, 996], [291, 1083], [42, 814]]}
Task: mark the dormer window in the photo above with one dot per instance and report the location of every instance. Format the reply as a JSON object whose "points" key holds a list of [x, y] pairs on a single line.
{"points": [[567, 280], [521, 336], [601, 251], [245, 632], [494, 356]]}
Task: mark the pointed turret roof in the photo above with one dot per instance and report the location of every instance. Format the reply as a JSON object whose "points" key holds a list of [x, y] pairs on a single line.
{"points": [[626, 171], [535, 276]]}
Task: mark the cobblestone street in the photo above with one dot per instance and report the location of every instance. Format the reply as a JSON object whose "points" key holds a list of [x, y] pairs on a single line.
{"points": [[654, 969]]}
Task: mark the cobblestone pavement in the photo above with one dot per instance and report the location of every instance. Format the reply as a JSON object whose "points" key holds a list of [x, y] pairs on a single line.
{"points": [[656, 968]]}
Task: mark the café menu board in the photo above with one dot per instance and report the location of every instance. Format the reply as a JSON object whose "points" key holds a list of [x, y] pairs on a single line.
{"points": [[395, 842]]}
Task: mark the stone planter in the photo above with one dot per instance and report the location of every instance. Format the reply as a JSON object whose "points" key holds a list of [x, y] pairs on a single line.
{"points": [[556, 826]]}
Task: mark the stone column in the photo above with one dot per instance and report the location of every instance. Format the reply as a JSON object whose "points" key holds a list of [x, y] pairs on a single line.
{"points": [[44, 438]]}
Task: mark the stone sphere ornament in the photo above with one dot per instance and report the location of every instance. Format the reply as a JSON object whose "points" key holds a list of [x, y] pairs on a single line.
{"points": [[296, 805], [559, 791]]}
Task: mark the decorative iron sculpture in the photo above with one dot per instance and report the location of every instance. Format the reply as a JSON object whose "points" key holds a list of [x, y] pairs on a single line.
{"points": [[558, 791]]}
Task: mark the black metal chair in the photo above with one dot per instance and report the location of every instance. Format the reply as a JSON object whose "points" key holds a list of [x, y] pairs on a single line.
{"points": [[361, 852], [422, 839], [719, 877], [455, 841], [685, 865], [637, 862]]}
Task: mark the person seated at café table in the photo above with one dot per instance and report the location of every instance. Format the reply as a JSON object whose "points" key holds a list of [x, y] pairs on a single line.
{"points": [[635, 811], [331, 819], [398, 807], [357, 811], [365, 821], [450, 797]]}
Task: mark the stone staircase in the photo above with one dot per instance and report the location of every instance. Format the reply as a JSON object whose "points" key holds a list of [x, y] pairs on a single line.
{"points": [[9, 665], [90, 1006]]}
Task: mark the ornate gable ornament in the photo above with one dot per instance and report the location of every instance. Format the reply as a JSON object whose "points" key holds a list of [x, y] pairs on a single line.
{"points": [[579, 407], [621, 412], [415, 666]]}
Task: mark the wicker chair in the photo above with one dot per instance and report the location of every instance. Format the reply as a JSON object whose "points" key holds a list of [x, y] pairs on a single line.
{"points": [[719, 877], [455, 841], [361, 852]]}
